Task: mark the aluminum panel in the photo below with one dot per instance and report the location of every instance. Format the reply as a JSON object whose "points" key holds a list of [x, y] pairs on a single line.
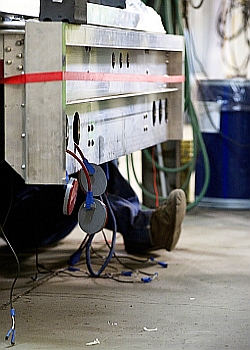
{"points": [[111, 128], [13, 52], [107, 118], [114, 61], [45, 105], [87, 35]]}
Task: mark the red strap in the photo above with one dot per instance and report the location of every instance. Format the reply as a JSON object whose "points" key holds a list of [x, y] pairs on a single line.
{"points": [[33, 78], [81, 76]]}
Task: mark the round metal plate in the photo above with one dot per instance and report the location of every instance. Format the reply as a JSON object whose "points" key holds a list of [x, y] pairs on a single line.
{"points": [[92, 220], [70, 196], [98, 181]]}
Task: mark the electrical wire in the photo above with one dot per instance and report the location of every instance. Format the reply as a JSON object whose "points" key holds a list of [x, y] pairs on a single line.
{"points": [[166, 169], [80, 151], [132, 271], [225, 18], [83, 167], [17, 263], [88, 241], [12, 330], [199, 144], [143, 188], [196, 7], [112, 247], [198, 140]]}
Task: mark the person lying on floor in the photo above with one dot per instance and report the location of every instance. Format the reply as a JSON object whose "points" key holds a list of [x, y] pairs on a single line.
{"points": [[31, 216]]}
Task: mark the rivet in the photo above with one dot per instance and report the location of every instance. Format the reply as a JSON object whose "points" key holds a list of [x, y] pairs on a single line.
{"points": [[23, 166], [23, 135], [8, 49], [19, 42], [9, 62]]}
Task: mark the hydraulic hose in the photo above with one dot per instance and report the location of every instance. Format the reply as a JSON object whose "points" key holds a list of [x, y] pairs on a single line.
{"points": [[175, 26]]}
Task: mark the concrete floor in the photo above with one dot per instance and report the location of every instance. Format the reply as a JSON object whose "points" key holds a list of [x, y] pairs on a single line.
{"points": [[201, 301]]}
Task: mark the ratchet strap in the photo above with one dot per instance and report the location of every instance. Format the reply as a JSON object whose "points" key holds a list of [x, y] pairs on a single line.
{"points": [[45, 77]]}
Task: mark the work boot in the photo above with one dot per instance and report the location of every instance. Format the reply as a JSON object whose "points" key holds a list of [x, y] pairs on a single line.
{"points": [[166, 220]]}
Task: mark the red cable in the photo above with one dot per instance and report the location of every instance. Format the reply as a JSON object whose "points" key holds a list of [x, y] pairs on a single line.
{"points": [[83, 167], [79, 150]]}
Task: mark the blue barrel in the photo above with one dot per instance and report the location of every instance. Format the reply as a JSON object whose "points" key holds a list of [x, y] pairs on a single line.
{"points": [[225, 126]]}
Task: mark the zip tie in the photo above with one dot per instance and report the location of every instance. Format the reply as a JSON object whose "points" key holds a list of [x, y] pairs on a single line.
{"points": [[150, 329], [95, 342]]}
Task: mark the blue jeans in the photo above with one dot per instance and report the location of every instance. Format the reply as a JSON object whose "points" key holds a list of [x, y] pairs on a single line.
{"points": [[132, 222], [32, 216]]}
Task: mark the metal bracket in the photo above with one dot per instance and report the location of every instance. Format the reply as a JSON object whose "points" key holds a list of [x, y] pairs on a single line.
{"points": [[70, 11]]}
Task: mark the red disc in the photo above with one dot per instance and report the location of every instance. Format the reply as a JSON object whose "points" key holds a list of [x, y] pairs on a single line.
{"points": [[70, 196]]}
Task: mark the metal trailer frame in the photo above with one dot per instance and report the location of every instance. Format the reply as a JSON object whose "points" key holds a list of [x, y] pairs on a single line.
{"points": [[106, 89]]}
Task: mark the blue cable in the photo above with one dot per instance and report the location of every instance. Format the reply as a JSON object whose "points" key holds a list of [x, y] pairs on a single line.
{"points": [[127, 273], [90, 168], [112, 247], [12, 329], [89, 200], [148, 278], [75, 257], [161, 263], [66, 179]]}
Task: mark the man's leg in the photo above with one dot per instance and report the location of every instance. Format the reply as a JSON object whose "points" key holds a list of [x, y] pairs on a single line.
{"points": [[132, 222], [166, 221], [144, 229]]}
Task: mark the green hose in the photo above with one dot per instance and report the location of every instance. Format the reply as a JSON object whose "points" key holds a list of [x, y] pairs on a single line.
{"points": [[166, 8], [163, 168]]}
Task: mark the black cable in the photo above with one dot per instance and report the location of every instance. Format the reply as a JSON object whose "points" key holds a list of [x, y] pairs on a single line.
{"points": [[225, 15], [227, 138], [221, 24], [12, 310], [18, 266], [196, 6], [144, 261], [12, 330]]}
